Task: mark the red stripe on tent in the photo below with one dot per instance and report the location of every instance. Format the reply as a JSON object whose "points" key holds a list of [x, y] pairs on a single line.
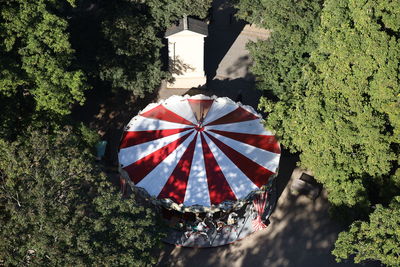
{"points": [[132, 138], [238, 115], [175, 188], [266, 142], [218, 187], [139, 169], [162, 113], [200, 107], [255, 172]]}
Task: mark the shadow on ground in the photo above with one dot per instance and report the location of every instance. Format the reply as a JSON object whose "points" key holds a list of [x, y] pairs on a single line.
{"points": [[108, 112], [223, 31], [222, 88]]}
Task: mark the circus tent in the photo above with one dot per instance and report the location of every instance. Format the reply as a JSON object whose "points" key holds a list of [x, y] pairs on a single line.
{"points": [[198, 152]]}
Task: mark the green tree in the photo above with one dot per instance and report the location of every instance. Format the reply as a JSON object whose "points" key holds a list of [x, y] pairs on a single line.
{"points": [[377, 239], [343, 113], [166, 12], [336, 80], [57, 208], [130, 58], [36, 56]]}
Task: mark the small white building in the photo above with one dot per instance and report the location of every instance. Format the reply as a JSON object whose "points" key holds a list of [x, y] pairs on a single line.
{"points": [[186, 53]]}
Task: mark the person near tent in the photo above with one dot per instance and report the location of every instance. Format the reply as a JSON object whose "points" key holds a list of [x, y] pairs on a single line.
{"points": [[123, 185]]}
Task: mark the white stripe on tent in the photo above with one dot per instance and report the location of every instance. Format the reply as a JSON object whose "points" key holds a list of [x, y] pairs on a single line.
{"points": [[248, 127], [220, 108], [140, 123], [201, 97], [180, 107], [240, 184], [197, 187], [129, 155], [264, 158], [157, 178]]}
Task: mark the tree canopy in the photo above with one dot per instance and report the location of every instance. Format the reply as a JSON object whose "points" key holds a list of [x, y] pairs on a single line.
{"points": [[333, 68], [342, 111], [377, 239], [58, 209], [36, 55], [39, 79]]}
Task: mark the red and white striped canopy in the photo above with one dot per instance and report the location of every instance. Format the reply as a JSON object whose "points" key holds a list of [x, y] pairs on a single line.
{"points": [[198, 150]]}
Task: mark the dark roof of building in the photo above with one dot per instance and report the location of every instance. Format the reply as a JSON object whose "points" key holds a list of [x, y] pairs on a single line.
{"points": [[190, 24]]}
